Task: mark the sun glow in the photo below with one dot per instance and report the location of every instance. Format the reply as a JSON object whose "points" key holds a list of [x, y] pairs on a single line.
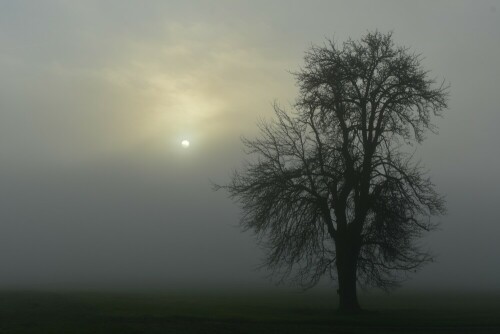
{"points": [[185, 143]]}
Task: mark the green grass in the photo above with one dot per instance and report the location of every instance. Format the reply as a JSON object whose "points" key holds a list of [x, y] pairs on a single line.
{"points": [[244, 312]]}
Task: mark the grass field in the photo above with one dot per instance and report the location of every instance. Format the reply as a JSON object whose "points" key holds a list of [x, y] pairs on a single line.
{"points": [[244, 312]]}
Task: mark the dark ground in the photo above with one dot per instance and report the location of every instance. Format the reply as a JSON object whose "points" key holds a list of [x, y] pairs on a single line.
{"points": [[244, 312]]}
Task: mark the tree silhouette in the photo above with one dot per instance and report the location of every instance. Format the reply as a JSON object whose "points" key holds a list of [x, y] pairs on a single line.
{"points": [[334, 189]]}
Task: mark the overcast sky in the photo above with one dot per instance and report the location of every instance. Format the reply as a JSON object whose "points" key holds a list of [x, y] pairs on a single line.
{"points": [[96, 96]]}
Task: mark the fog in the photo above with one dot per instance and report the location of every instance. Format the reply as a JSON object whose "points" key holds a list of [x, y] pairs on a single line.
{"points": [[95, 98]]}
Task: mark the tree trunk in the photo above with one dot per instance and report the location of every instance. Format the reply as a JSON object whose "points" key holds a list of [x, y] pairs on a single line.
{"points": [[347, 257]]}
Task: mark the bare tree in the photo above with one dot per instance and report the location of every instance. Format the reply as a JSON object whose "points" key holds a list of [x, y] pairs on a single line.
{"points": [[333, 189]]}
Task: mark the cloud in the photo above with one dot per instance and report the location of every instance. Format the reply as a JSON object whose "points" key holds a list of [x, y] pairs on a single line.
{"points": [[194, 80]]}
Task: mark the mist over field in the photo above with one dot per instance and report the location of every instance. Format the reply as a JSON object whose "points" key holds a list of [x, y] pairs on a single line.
{"points": [[96, 97]]}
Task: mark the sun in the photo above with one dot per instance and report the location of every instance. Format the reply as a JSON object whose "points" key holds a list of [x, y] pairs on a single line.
{"points": [[185, 143]]}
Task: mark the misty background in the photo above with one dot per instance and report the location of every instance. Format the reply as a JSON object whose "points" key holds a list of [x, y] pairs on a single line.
{"points": [[95, 98]]}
